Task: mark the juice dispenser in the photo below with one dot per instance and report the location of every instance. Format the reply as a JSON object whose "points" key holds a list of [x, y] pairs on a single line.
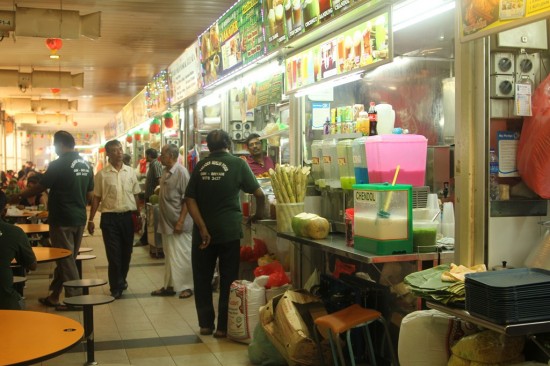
{"points": [[330, 164], [383, 218], [317, 163], [360, 160], [345, 163]]}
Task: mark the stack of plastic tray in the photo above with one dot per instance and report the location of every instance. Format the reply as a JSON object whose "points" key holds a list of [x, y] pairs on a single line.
{"points": [[511, 296]]}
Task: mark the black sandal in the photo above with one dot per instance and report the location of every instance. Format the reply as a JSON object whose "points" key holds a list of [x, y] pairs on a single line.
{"points": [[163, 292]]}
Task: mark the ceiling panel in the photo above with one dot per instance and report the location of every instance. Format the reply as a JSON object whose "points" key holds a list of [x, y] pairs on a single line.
{"points": [[138, 39]]}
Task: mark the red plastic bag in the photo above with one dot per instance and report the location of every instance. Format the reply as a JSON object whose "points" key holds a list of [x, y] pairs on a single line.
{"points": [[343, 267], [533, 157], [247, 254], [260, 249], [276, 273]]}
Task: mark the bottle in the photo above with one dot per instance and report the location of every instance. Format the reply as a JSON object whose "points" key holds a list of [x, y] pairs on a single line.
{"points": [[373, 119], [493, 175], [326, 127]]}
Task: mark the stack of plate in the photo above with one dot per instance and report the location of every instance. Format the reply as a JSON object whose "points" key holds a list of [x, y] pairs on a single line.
{"points": [[511, 296]]}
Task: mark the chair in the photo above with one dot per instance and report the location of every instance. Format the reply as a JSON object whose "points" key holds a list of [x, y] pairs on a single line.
{"points": [[85, 284], [79, 259], [344, 320]]}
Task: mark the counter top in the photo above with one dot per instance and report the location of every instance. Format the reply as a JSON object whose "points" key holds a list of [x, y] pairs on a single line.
{"points": [[335, 244]]}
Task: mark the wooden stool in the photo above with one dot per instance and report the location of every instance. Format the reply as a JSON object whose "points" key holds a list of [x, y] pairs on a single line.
{"points": [[344, 320], [84, 250], [79, 259], [85, 284], [88, 302]]}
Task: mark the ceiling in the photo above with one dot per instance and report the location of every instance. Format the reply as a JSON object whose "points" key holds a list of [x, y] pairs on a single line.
{"points": [[138, 39]]}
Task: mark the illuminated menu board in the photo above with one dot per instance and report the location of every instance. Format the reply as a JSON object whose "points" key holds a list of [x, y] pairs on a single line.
{"points": [[287, 19], [358, 47], [234, 40]]}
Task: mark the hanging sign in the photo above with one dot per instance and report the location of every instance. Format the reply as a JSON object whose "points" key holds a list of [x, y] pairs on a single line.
{"points": [[480, 18], [185, 74], [209, 44], [358, 47], [230, 39], [252, 35]]}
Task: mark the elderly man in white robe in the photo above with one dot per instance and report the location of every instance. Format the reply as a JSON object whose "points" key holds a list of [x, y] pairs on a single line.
{"points": [[175, 225]]}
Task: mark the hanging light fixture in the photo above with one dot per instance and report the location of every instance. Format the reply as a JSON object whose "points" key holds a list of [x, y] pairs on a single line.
{"points": [[54, 44]]}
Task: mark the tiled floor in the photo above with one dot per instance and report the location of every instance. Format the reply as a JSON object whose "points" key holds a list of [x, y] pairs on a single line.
{"points": [[138, 329]]}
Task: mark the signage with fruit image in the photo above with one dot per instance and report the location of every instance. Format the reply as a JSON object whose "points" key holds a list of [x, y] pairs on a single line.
{"points": [[358, 47]]}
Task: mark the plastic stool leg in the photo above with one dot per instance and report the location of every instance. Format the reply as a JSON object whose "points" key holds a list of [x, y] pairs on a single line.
{"points": [[333, 349], [395, 362], [372, 355], [319, 349], [350, 348]]}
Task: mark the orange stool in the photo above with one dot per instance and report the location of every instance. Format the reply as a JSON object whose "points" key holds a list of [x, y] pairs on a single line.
{"points": [[344, 320]]}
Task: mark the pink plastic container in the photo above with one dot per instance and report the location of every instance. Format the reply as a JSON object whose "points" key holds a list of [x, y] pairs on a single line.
{"points": [[385, 152]]}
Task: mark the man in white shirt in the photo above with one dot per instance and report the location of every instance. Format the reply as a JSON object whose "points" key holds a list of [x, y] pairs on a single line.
{"points": [[116, 190]]}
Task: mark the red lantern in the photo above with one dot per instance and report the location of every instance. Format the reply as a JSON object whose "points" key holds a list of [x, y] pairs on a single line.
{"points": [[129, 138], [75, 123], [54, 44], [55, 90], [168, 120], [137, 136], [155, 126]]}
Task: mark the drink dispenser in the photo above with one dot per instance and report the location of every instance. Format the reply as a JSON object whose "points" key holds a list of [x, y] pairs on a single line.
{"points": [[317, 163], [383, 218], [360, 160], [345, 163], [330, 164]]}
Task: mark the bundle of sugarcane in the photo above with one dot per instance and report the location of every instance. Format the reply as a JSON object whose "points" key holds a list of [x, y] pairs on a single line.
{"points": [[289, 185]]}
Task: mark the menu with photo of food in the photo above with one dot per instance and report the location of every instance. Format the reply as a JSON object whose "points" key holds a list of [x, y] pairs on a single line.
{"points": [[230, 39], [211, 60], [250, 25]]}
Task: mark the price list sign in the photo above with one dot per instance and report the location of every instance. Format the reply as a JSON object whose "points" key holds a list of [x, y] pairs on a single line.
{"points": [[250, 25], [230, 39]]}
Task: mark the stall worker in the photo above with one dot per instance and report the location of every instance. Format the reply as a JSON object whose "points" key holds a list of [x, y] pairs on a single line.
{"points": [[258, 162]]}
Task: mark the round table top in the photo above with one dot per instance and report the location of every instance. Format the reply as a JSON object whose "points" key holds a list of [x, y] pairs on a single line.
{"points": [[19, 279], [34, 228], [83, 257], [85, 250], [88, 282], [84, 300], [47, 254], [32, 336]]}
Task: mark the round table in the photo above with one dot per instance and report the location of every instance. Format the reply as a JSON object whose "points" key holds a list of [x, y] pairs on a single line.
{"points": [[47, 254], [32, 336], [34, 228]]}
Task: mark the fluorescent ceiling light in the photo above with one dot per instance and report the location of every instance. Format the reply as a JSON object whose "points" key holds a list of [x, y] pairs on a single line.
{"points": [[329, 84], [411, 12]]}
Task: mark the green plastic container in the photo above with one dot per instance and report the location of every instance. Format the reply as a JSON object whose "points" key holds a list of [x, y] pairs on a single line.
{"points": [[383, 218]]}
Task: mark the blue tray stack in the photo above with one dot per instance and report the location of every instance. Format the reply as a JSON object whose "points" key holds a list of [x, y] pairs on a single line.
{"points": [[511, 296]]}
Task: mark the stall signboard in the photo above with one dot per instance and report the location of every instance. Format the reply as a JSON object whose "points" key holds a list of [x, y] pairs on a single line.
{"points": [[360, 46], [252, 35], [139, 108], [265, 92], [480, 18], [157, 94], [185, 74], [286, 19], [127, 120], [110, 128]]}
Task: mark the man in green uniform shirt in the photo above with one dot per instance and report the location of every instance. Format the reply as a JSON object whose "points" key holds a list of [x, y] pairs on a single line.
{"points": [[212, 197], [13, 244]]}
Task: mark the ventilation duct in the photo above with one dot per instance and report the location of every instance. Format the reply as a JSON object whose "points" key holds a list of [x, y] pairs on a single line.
{"points": [[27, 105], [41, 79], [50, 23]]}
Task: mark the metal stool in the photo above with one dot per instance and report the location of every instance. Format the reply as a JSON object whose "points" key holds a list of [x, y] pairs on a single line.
{"points": [[88, 302], [85, 284], [84, 250], [344, 320], [79, 259]]}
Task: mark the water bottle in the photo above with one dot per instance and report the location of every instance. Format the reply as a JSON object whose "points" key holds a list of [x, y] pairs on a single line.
{"points": [[493, 175]]}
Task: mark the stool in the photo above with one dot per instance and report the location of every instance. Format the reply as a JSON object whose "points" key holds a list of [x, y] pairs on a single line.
{"points": [[84, 250], [19, 284], [85, 284], [344, 320], [79, 259], [88, 302]]}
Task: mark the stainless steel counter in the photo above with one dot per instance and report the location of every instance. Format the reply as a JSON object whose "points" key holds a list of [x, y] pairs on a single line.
{"points": [[335, 244]]}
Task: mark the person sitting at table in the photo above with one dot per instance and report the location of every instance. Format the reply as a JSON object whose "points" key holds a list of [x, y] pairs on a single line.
{"points": [[257, 160], [36, 200], [13, 188], [13, 244]]}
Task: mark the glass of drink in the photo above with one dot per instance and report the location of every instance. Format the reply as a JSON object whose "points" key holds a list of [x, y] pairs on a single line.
{"points": [[279, 14], [348, 45], [357, 46], [288, 15], [297, 13], [324, 5], [271, 19]]}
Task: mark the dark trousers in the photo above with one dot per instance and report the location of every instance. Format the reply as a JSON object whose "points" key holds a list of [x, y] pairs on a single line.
{"points": [[118, 237], [204, 263]]}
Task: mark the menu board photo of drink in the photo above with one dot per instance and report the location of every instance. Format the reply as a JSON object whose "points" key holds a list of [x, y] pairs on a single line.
{"points": [[278, 20], [358, 47], [250, 25]]}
